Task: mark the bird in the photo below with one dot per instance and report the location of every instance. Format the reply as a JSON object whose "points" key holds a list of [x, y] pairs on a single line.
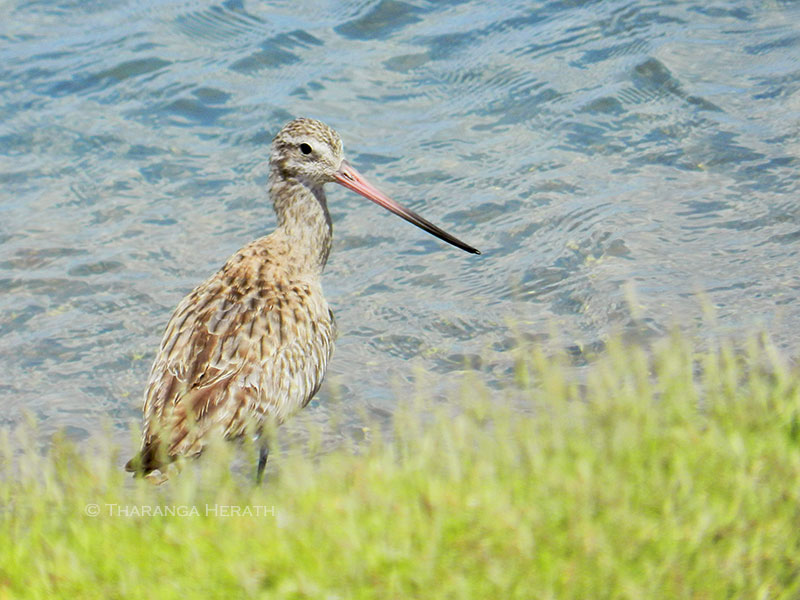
{"points": [[250, 345]]}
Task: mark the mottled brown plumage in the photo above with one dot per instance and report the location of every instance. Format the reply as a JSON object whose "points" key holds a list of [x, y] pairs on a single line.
{"points": [[251, 343]]}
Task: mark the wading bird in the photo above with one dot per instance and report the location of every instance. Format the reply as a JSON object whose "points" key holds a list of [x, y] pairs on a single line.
{"points": [[250, 345]]}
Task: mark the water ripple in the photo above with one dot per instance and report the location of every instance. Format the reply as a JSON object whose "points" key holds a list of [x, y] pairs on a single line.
{"points": [[595, 152]]}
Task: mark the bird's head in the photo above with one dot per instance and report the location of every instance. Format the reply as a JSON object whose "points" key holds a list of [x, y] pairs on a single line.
{"points": [[307, 150], [310, 152]]}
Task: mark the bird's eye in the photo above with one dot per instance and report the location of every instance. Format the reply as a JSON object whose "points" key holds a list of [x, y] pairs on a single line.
{"points": [[305, 148]]}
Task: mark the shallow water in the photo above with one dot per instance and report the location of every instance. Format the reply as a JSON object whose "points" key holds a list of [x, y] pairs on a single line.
{"points": [[623, 166]]}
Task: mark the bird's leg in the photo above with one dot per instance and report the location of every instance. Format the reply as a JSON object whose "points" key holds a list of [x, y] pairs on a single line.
{"points": [[263, 453]]}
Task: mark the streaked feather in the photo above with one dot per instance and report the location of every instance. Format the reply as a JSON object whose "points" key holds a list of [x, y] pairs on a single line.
{"points": [[250, 343]]}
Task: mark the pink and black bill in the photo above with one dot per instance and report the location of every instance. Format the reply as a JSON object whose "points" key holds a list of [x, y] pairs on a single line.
{"points": [[352, 179]]}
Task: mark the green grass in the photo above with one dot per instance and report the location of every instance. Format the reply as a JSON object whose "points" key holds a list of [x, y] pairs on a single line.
{"points": [[667, 473]]}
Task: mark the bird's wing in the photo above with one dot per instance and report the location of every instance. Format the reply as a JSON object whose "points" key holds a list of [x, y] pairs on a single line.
{"points": [[233, 351]]}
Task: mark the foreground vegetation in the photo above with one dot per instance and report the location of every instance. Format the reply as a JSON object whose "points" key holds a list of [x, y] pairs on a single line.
{"points": [[667, 473]]}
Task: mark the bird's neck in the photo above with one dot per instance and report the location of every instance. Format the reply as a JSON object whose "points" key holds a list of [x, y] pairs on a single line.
{"points": [[304, 219]]}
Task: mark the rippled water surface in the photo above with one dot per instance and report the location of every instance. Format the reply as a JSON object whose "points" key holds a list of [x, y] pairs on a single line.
{"points": [[623, 165]]}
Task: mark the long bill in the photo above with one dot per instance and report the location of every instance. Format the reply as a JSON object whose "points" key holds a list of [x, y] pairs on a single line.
{"points": [[352, 179]]}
